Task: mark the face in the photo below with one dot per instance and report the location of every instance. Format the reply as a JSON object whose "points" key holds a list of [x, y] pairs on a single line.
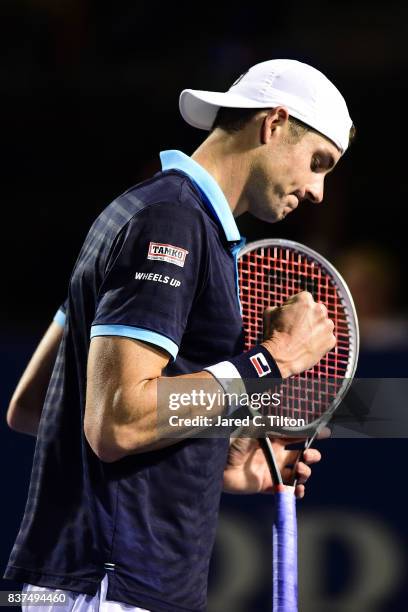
{"points": [[285, 173]]}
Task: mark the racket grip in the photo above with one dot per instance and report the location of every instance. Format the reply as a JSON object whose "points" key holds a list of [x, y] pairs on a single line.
{"points": [[284, 567]]}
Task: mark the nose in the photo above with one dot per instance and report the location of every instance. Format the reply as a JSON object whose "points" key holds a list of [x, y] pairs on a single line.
{"points": [[315, 190]]}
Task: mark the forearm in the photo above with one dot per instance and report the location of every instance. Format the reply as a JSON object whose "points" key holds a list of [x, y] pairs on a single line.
{"points": [[140, 418], [128, 406], [24, 411]]}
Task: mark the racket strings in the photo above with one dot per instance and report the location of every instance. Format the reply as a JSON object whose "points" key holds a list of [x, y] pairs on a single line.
{"points": [[268, 277]]}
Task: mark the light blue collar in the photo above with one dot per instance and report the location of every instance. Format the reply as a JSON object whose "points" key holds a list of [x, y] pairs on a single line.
{"points": [[214, 197]]}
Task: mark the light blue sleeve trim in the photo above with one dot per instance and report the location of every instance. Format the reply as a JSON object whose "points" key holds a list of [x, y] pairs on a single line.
{"points": [[60, 318], [137, 333], [235, 250]]}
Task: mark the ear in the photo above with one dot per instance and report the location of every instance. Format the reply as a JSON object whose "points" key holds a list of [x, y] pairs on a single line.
{"points": [[276, 119]]}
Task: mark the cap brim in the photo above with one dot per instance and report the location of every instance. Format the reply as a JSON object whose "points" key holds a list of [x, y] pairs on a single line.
{"points": [[199, 108]]}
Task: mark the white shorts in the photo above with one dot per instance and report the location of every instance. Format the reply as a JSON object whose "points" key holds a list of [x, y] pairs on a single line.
{"points": [[79, 602]]}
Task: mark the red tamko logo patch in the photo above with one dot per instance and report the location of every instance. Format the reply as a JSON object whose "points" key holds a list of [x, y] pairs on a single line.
{"points": [[167, 252]]}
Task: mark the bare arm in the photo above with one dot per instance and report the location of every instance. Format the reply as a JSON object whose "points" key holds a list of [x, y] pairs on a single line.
{"points": [[122, 414], [25, 407]]}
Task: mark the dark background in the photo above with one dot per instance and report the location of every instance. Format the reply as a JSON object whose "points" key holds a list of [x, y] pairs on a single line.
{"points": [[89, 95]]}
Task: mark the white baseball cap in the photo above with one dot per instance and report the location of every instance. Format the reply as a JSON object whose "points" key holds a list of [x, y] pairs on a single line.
{"points": [[307, 94]]}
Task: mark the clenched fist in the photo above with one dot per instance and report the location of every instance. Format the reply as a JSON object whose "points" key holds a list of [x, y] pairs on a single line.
{"points": [[298, 333]]}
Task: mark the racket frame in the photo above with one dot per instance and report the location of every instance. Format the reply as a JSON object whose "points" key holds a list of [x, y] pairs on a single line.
{"points": [[315, 426]]}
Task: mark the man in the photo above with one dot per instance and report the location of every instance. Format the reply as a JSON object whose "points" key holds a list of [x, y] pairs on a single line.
{"points": [[118, 510]]}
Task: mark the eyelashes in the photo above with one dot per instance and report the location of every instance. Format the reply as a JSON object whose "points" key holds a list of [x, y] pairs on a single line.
{"points": [[316, 163]]}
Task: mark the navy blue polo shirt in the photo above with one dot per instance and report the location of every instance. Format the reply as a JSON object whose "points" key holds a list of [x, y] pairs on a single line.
{"points": [[158, 265]]}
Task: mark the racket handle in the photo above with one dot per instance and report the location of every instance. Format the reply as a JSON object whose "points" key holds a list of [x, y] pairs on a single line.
{"points": [[284, 533]]}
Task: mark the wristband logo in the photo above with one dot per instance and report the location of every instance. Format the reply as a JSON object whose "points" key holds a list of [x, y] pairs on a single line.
{"points": [[260, 364]]}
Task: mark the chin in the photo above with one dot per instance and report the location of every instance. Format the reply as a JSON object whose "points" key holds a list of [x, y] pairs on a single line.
{"points": [[268, 216], [267, 209]]}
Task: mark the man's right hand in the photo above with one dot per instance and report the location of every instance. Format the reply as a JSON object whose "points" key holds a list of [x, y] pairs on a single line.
{"points": [[298, 333]]}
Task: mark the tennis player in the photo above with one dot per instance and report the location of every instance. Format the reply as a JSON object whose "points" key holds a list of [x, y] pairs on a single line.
{"points": [[119, 515]]}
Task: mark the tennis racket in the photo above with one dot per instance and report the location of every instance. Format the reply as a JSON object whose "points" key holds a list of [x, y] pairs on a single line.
{"points": [[270, 272]]}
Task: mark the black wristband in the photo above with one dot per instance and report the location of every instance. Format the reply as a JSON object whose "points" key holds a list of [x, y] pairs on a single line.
{"points": [[256, 363], [257, 369]]}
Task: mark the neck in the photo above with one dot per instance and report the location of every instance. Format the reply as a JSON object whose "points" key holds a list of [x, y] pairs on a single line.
{"points": [[228, 164]]}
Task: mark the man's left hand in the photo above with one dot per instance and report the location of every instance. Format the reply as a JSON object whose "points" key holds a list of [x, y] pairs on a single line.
{"points": [[247, 470]]}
